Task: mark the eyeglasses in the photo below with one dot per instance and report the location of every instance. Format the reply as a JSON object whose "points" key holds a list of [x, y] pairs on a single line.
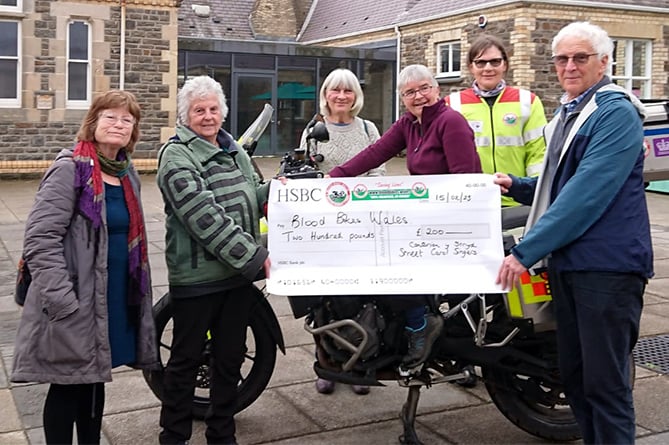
{"points": [[579, 59], [481, 63], [112, 119], [410, 94]]}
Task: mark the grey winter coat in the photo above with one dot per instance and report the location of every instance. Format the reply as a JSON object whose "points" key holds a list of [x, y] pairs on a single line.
{"points": [[63, 335]]}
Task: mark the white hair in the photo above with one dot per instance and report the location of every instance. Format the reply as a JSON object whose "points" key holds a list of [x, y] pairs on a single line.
{"points": [[598, 38], [415, 73], [341, 78], [199, 87]]}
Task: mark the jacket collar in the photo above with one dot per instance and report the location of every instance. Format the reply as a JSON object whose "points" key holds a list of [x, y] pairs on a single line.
{"points": [[429, 112], [201, 148]]}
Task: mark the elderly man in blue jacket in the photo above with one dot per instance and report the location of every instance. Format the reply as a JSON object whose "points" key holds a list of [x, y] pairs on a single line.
{"points": [[589, 225]]}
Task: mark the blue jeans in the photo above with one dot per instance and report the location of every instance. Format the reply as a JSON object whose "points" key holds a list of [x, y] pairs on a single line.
{"points": [[598, 315], [415, 317]]}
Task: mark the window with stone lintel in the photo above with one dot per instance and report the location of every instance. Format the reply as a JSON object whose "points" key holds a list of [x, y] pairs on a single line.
{"points": [[78, 64]]}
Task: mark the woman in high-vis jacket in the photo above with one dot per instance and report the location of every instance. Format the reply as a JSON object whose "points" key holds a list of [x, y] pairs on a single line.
{"points": [[507, 122]]}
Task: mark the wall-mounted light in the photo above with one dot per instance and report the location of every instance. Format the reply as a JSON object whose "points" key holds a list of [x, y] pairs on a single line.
{"points": [[201, 10]]}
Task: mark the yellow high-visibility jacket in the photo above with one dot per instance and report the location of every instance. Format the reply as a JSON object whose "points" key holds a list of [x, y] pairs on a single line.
{"points": [[509, 134]]}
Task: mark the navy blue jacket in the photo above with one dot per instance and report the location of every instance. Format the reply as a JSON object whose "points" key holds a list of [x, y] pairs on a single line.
{"points": [[593, 216]]}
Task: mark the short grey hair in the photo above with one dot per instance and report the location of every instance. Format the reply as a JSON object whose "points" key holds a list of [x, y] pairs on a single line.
{"points": [[598, 38], [199, 87], [415, 73], [341, 78]]}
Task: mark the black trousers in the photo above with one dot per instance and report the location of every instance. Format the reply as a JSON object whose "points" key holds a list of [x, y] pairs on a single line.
{"points": [[67, 405], [225, 315], [598, 315]]}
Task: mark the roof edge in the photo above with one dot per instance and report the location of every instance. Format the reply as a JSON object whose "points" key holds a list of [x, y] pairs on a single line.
{"points": [[392, 26], [307, 19]]}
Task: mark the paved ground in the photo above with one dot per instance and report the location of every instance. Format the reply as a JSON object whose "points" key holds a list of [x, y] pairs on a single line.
{"points": [[290, 411]]}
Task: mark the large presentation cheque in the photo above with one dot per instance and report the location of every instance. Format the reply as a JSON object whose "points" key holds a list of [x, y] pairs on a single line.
{"points": [[385, 235]]}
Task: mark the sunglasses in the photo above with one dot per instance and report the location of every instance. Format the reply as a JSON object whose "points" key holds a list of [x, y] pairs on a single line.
{"points": [[481, 63]]}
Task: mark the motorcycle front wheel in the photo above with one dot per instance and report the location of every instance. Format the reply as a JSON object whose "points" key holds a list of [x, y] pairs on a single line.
{"points": [[256, 371]]}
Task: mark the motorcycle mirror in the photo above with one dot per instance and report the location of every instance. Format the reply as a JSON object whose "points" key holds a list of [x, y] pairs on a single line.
{"points": [[319, 132]]}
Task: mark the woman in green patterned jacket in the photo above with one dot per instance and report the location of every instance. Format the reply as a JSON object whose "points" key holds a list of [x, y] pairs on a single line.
{"points": [[212, 199]]}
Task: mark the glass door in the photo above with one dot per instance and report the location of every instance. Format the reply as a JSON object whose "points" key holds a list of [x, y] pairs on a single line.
{"points": [[250, 93], [296, 102]]}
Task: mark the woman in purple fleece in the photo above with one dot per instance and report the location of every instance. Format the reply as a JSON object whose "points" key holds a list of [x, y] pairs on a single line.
{"points": [[438, 140]]}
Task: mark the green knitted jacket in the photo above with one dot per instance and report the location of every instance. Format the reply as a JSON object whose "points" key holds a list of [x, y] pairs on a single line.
{"points": [[212, 199]]}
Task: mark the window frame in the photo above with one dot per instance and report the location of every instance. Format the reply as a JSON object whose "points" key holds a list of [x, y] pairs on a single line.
{"points": [[17, 8], [78, 103], [16, 101], [448, 74], [628, 77]]}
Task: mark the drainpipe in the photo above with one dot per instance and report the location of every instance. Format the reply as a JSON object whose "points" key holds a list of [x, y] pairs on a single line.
{"points": [[121, 80], [397, 70]]}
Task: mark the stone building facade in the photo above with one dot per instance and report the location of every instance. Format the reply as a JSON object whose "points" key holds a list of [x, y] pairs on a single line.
{"points": [[527, 28], [135, 45], [45, 121]]}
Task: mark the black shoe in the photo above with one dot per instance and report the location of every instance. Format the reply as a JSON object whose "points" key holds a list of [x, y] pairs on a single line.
{"points": [[421, 341]]}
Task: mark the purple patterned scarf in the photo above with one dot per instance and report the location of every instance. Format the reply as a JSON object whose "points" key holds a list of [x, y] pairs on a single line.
{"points": [[88, 181]]}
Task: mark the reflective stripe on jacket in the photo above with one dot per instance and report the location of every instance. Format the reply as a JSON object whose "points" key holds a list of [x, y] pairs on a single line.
{"points": [[509, 134]]}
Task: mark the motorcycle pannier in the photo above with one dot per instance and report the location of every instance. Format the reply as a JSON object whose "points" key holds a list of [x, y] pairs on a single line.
{"points": [[531, 298]]}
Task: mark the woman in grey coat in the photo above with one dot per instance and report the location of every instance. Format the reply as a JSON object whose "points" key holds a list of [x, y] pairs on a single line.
{"points": [[88, 307]]}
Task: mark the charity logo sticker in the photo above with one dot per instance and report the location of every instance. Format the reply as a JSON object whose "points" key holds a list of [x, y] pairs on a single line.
{"points": [[360, 191], [510, 119], [419, 189], [476, 126], [338, 194]]}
